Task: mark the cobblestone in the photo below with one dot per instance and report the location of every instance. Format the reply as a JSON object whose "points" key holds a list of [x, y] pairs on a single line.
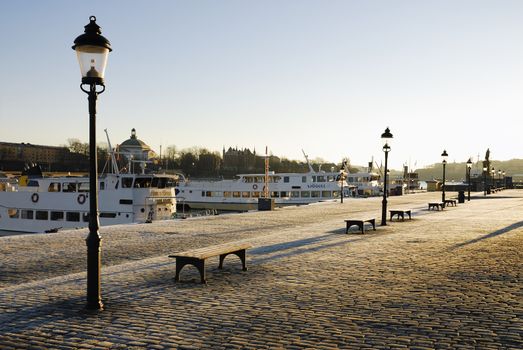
{"points": [[447, 280]]}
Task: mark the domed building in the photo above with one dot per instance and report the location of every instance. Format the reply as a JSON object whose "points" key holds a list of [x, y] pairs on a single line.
{"points": [[135, 150]]}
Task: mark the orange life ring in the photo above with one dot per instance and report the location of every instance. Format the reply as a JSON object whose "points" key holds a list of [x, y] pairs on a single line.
{"points": [[254, 187], [35, 197], [81, 198]]}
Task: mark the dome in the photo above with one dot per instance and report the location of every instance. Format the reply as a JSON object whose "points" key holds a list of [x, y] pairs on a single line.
{"points": [[136, 148]]}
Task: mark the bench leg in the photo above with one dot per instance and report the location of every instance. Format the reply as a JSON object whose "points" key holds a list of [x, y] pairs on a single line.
{"points": [[410, 218], [239, 253], [361, 226], [198, 263], [373, 222]]}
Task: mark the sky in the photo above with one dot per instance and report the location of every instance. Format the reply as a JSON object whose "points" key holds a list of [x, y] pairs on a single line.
{"points": [[324, 76]]}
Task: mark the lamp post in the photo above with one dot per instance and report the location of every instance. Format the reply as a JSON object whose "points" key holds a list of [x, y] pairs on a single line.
{"points": [[499, 178], [484, 181], [92, 50], [504, 180], [469, 166], [386, 138], [444, 157], [492, 172], [342, 179]]}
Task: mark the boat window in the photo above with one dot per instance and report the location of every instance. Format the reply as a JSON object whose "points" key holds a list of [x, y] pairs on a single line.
{"points": [[85, 217], [283, 194], [127, 182], [72, 216], [313, 178], [54, 187], [286, 179], [315, 194], [161, 182], [246, 194], [260, 179], [335, 194], [256, 194], [57, 215], [275, 194], [170, 183], [217, 194], [351, 179], [208, 194], [320, 178], [27, 214], [330, 178], [69, 187], [13, 213], [326, 194], [102, 186], [126, 201], [226, 194], [236, 194], [295, 194], [83, 187], [32, 183], [142, 182], [203, 193], [305, 194], [304, 179], [107, 215], [42, 215], [248, 179]]}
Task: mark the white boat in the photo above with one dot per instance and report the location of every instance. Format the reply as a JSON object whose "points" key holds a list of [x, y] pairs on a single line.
{"points": [[46, 204], [242, 193]]}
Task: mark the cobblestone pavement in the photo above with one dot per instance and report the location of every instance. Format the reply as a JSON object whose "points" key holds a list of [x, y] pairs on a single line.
{"points": [[444, 280]]}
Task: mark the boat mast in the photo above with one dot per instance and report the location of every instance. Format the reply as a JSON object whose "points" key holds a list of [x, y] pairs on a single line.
{"points": [[311, 170], [111, 152], [266, 187]]}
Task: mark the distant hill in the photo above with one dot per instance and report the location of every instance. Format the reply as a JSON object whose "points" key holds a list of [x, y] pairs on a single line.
{"points": [[457, 171]]}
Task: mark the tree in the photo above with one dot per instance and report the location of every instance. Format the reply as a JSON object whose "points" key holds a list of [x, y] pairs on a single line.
{"points": [[76, 146]]}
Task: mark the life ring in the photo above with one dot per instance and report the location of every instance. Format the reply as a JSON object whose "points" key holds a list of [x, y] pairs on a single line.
{"points": [[81, 199], [34, 197], [254, 187]]}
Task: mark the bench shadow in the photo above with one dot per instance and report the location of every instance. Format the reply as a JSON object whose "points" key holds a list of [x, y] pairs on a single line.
{"points": [[489, 235]]}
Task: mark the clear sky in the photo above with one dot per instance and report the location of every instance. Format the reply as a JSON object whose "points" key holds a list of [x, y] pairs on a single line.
{"points": [[325, 76]]}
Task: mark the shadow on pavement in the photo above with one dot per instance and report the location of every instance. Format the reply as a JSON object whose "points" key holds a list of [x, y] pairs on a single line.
{"points": [[490, 235]]}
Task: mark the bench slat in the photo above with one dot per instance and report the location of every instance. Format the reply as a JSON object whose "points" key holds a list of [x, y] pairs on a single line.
{"points": [[207, 252]]}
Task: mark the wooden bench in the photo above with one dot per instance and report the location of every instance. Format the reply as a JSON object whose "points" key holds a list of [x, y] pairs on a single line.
{"points": [[452, 202], [196, 257], [360, 224], [400, 213], [436, 206]]}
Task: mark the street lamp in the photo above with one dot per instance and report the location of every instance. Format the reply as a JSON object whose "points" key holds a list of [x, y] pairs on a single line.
{"points": [[469, 166], [342, 179], [386, 138], [492, 172], [444, 157], [504, 180], [92, 50], [499, 178], [484, 181]]}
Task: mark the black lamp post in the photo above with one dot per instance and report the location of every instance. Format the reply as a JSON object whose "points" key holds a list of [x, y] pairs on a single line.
{"points": [[444, 156], [386, 138], [92, 50], [342, 179], [504, 180], [469, 166], [492, 172], [484, 181], [498, 184]]}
